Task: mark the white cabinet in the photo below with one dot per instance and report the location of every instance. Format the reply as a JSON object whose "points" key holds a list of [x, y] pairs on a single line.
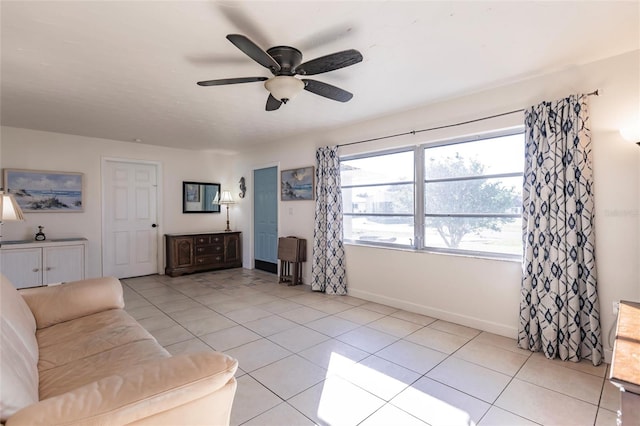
{"points": [[29, 264]]}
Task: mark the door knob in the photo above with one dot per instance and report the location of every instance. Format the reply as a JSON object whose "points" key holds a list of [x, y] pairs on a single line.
{"points": [[154, 225]]}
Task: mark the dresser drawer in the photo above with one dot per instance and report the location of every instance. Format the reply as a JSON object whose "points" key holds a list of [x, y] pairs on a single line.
{"points": [[209, 239], [202, 240], [210, 249], [210, 260]]}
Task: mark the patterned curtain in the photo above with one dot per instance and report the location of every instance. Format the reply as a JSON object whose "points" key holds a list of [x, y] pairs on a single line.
{"points": [[328, 267], [559, 309]]}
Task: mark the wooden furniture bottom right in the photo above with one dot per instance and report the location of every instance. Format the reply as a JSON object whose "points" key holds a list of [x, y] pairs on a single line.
{"points": [[625, 363]]}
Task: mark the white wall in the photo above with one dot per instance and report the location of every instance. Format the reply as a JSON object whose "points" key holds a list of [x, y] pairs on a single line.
{"points": [[480, 292], [36, 150], [295, 218]]}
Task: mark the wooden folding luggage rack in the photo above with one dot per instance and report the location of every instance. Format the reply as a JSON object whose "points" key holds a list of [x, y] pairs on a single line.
{"points": [[292, 251]]}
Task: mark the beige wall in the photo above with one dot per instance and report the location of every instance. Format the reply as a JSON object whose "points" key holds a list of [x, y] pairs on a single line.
{"points": [[481, 292], [30, 149]]}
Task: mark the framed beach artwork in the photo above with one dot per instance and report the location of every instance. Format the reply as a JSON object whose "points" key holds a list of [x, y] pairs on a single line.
{"points": [[297, 184], [44, 191]]}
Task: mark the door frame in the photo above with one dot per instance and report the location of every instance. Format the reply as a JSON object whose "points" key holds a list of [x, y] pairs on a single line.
{"points": [[252, 236], [159, 204]]}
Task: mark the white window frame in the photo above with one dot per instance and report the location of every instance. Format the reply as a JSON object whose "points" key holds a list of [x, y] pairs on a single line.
{"points": [[379, 154], [420, 182]]}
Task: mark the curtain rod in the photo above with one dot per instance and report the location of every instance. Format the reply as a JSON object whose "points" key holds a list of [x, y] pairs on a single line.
{"points": [[413, 132]]}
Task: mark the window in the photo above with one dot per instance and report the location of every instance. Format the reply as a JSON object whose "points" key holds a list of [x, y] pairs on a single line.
{"points": [[473, 195], [468, 199], [377, 198]]}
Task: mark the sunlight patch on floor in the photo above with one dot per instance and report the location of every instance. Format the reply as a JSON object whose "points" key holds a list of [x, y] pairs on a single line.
{"points": [[342, 402]]}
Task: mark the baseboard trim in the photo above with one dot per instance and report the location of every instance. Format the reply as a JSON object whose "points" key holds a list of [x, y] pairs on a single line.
{"points": [[480, 324], [608, 355], [266, 266]]}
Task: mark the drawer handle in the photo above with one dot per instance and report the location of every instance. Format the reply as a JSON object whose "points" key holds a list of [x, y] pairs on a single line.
{"points": [[35, 269], [217, 239], [49, 268]]}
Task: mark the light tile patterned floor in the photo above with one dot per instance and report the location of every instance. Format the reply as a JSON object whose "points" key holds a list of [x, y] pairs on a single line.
{"points": [[307, 358]]}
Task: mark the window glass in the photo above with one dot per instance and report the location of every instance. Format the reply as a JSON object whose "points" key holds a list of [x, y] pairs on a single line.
{"points": [[379, 229], [473, 195], [503, 236], [384, 168], [378, 198], [499, 155]]}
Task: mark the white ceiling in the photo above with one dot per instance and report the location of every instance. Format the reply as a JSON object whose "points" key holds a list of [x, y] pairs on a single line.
{"points": [[127, 70]]}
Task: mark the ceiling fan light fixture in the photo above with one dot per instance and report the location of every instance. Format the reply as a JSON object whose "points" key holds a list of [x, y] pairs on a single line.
{"points": [[284, 87]]}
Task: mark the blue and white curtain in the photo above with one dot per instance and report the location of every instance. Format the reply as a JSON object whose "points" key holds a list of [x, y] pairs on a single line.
{"points": [[328, 269], [559, 309]]}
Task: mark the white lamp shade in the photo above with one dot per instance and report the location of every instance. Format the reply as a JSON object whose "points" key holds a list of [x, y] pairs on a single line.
{"points": [[631, 133], [226, 198], [9, 208], [284, 87]]}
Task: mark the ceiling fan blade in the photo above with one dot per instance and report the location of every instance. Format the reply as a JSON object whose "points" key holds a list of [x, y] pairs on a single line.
{"points": [[253, 51], [272, 103], [329, 62], [327, 90], [231, 81]]}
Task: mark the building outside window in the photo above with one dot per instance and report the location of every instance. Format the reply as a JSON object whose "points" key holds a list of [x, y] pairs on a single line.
{"points": [[468, 198]]}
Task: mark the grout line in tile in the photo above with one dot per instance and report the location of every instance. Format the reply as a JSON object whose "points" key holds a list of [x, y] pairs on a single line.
{"points": [[286, 296]]}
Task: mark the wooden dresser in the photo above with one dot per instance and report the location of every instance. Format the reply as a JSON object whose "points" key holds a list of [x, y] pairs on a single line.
{"points": [[197, 252], [625, 365]]}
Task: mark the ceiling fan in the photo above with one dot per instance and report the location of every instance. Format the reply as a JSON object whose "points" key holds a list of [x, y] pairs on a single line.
{"points": [[284, 62]]}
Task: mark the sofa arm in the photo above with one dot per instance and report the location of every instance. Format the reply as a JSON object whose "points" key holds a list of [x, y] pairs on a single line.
{"points": [[136, 394], [59, 303]]}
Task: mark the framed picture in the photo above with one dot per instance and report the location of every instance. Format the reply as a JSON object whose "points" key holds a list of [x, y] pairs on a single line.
{"points": [[297, 184], [38, 191]]}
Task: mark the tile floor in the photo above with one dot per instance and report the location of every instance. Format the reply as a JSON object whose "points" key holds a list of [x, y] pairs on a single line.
{"points": [[307, 358]]}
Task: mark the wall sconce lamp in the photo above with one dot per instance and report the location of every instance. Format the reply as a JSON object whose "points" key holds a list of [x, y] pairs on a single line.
{"points": [[226, 200], [9, 210], [631, 133]]}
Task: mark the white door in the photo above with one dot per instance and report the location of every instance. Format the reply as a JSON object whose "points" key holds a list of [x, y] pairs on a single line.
{"points": [[130, 219], [62, 264]]}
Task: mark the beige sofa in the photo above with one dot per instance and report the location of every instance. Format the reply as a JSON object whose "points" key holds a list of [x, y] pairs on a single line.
{"points": [[71, 355]]}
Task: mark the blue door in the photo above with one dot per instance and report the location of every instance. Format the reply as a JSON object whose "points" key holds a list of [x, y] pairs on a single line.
{"points": [[265, 219]]}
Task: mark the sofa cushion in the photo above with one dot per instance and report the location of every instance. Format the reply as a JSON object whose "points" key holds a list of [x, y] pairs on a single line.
{"points": [[64, 378], [18, 352], [70, 341], [195, 389], [74, 353], [55, 304]]}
